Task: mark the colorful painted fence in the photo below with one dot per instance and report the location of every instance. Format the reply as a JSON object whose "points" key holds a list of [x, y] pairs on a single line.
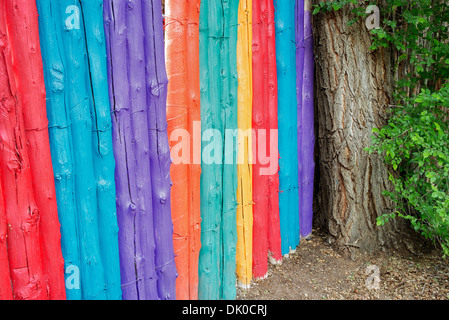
{"points": [[147, 161]]}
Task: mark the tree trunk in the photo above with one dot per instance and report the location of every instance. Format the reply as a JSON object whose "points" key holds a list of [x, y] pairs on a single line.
{"points": [[354, 85]]}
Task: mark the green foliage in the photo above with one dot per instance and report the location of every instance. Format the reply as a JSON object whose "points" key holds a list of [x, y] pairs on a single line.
{"points": [[326, 6], [414, 142], [416, 145]]}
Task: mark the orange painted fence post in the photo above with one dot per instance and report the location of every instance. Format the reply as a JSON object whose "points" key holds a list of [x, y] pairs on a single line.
{"points": [[34, 249], [183, 114]]}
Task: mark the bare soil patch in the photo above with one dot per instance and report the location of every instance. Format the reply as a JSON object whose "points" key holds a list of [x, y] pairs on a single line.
{"points": [[316, 272]]}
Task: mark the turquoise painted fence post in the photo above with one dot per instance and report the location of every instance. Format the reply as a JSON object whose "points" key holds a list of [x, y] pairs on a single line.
{"points": [[81, 140], [219, 84], [287, 118], [104, 163], [79, 99], [211, 174], [60, 137], [230, 103]]}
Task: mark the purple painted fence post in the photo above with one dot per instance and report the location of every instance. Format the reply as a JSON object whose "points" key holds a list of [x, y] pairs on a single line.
{"points": [[299, 35], [308, 126], [156, 88], [126, 70]]}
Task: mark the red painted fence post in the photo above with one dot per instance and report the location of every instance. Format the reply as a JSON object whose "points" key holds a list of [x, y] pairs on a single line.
{"points": [[35, 257], [28, 70]]}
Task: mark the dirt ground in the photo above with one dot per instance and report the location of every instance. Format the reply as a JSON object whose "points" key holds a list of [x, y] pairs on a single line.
{"points": [[317, 272]]}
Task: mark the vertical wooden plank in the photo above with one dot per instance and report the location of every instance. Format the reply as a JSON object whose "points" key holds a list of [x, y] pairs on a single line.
{"points": [[116, 15], [219, 84], [178, 121], [103, 157], [193, 84], [22, 214], [299, 38], [5, 277], [274, 232], [60, 136], [259, 124], [79, 100], [183, 111], [211, 176], [266, 230], [244, 163], [27, 66], [229, 104], [136, 39], [308, 126], [156, 89], [287, 117]]}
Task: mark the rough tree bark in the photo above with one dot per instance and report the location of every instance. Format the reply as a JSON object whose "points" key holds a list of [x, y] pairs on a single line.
{"points": [[354, 86]]}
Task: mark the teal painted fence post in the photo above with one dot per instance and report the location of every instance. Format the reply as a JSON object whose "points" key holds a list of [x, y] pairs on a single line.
{"points": [[230, 103], [219, 83], [287, 119]]}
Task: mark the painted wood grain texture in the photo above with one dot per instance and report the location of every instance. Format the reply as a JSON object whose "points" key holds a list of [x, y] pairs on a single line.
{"points": [[287, 121], [75, 62], [266, 229], [79, 99], [134, 207], [156, 88], [138, 91], [34, 249], [60, 136], [308, 126], [183, 113], [219, 85], [5, 277], [244, 163], [103, 156], [299, 38], [131, 143], [274, 232]]}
